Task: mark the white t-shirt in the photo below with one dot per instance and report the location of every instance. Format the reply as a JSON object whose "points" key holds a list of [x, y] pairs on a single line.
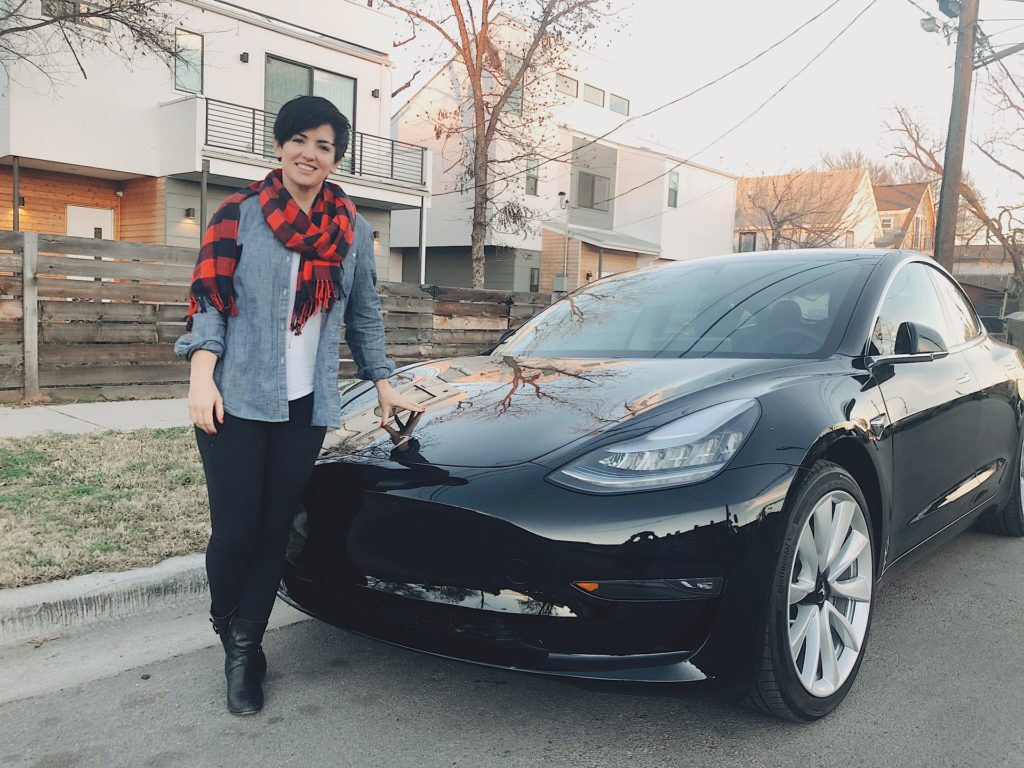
{"points": [[300, 351]]}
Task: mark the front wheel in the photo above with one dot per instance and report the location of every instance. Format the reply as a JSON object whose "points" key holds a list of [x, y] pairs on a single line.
{"points": [[820, 608]]}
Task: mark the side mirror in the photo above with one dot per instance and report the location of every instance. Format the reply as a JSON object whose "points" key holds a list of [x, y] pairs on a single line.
{"points": [[916, 339]]}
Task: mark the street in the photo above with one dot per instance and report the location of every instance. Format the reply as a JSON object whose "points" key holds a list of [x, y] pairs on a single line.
{"points": [[940, 686]]}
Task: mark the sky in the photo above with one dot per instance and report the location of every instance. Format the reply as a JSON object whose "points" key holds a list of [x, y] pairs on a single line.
{"points": [[841, 101]]}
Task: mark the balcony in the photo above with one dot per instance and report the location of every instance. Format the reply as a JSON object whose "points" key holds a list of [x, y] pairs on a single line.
{"points": [[250, 131]]}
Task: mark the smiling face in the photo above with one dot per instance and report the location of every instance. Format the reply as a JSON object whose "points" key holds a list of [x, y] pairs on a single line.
{"points": [[307, 158]]}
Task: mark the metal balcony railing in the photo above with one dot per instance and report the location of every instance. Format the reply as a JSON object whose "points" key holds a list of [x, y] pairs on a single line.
{"points": [[251, 131]]}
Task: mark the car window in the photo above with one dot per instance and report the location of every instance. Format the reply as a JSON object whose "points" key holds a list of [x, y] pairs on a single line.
{"points": [[740, 307], [911, 298], [962, 324]]}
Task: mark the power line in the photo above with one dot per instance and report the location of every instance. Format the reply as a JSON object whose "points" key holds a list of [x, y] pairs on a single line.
{"points": [[662, 212], [922, 10], [667, 104], [761, 106], [1002, 64]]}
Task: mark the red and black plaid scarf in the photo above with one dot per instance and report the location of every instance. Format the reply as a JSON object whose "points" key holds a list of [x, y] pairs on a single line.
{"points": [[321, 239]]}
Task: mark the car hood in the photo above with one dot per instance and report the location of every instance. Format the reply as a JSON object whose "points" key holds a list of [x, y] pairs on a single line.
{"points": [[500, 411]]}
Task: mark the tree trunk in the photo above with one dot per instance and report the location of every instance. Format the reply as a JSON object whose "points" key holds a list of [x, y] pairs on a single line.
{"points": [[478, 234]]}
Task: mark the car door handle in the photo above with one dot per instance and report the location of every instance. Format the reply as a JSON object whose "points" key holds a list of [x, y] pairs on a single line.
{"points": [[964, 378]]}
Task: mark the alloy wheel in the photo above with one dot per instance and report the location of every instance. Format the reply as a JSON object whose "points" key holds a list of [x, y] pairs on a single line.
{"points": [[830, 589]]}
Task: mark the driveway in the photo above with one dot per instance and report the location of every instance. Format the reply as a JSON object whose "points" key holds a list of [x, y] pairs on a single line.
{"points": [[941, 686]]}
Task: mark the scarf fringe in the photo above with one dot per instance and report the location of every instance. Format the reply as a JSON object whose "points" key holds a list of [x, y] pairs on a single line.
{"points": [[325, 293]]}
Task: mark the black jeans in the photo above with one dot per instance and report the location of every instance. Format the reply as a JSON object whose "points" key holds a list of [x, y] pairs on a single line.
{"points": [[255, 474]]}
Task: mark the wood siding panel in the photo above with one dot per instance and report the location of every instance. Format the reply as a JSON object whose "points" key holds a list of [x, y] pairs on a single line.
{"points": [[553, 256], [143, 211], [138, 214], [47, 196]]}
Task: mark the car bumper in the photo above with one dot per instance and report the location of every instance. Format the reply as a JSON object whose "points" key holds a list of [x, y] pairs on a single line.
{"points": [[480, 565]]}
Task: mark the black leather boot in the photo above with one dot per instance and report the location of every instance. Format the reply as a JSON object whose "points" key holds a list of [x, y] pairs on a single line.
{"points": [[221, 625], [241, 666]]}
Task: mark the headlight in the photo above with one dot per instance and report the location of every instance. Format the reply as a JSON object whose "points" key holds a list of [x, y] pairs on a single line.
{"points": [[688, 450]]}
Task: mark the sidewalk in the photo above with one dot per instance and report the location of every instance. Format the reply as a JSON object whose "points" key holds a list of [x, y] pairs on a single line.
{"points": [[78, 418]]}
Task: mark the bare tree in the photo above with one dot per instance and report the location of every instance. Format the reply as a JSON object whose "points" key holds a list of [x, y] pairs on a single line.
{"points": [[880, 172], [916, 145], [803, 209], [37, 32], [504, 71]]}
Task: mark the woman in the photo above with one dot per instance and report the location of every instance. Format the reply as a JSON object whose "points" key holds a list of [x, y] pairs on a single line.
{"points": [[283, 262]]}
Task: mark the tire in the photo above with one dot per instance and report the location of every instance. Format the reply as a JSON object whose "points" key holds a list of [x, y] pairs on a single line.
{"points": [[1009, 521], [830, 495]]}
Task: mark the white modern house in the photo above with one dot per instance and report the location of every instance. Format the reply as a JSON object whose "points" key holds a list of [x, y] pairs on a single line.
{"points": [[625, 202], [127, 153]]}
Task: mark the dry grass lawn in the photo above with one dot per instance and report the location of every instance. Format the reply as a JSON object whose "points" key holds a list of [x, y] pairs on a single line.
{"points": [[106, 501]]}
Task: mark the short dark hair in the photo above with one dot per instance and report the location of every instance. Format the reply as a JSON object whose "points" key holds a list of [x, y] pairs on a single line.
{"points": [[305, 112]]}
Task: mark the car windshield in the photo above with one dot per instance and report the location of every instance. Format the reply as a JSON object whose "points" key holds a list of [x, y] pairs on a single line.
{"points": [[725, 307]]}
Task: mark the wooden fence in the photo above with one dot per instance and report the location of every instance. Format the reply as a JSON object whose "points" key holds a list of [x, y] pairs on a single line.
{"points": [[84, 319]]}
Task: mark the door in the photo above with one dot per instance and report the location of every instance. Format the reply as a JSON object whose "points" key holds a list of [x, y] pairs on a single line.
{"points": [[995, 368], [933, 413]]}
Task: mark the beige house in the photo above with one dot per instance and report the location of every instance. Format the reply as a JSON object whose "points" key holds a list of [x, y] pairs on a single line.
{"points": [[907, 215], [806, 209]]}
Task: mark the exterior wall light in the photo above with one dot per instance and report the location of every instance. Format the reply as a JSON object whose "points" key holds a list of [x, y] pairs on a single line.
{"points": [[21, 201], [190, 213], [244, 57]]}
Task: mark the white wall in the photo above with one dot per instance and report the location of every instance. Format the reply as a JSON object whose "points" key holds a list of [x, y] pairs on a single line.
{"points": [[703, 222], [115, 114], [5, 114], [640, 213]]}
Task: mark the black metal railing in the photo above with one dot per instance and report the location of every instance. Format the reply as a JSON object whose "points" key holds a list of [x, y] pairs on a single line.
{"points": [[250, 131]]}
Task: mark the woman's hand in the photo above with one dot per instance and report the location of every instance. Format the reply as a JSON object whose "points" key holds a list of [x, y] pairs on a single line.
{"points": [[391, 402], [205, 405]]}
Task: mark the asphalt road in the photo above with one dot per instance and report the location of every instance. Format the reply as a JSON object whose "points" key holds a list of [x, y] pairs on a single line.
{"points": [[941, 686]]}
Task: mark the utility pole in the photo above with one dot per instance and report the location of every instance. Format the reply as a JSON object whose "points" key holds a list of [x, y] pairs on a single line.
{"points": [[952, 164]]}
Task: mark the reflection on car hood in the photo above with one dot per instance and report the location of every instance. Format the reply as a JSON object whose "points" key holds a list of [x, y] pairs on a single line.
{"points": [[498, 411]]}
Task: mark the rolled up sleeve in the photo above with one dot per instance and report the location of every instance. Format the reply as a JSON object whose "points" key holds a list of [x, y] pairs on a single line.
{"points": [[364, 320], [207, 332]]}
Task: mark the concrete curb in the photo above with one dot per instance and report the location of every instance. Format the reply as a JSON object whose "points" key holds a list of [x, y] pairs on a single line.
{"points": [[59, 606]]}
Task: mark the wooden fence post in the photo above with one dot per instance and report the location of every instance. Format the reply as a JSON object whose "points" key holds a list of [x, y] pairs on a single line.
{"points": [[30, 314]]}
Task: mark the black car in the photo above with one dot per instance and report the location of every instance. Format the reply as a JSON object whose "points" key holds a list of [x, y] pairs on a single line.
{"points": [[690, 471]]}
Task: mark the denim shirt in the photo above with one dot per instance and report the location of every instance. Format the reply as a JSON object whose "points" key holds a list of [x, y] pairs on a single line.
{"points": [[250, 346]]}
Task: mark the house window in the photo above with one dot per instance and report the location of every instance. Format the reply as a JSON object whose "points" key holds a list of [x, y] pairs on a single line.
{"points": [[887, 222], [673, 189], [514, 103], [849, 238], [748, 242], [567, 85], [285, 80], [532, 175], [593, 191], [188, 67], [618, 104], [75, 12], [534, 279], [918, 226], [593, 95]]}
